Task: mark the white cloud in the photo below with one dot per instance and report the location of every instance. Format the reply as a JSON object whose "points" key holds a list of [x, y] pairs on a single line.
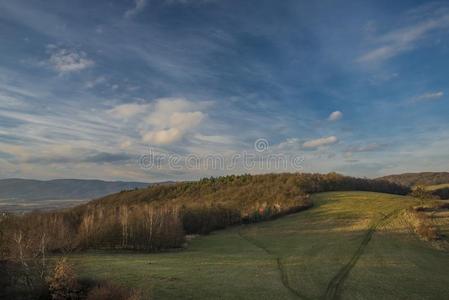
{"points": [[186, 119], [164, 121], [171, 119], [429, 97], [64, 60], [404, 39], [163, 137], [164, 108], [216, 139], [320, 142], [335, 116], [139, 5], [126, 111]]}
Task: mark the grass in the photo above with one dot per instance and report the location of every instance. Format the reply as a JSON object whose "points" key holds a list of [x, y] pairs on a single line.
{"points": [[351, 245], [437, 186]]}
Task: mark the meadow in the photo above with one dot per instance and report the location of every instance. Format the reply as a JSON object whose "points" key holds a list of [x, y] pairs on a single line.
{"points": [[350, 245], [437, 186]]}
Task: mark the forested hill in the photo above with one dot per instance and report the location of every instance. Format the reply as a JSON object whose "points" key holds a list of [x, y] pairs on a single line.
{"points": [[413, 179], [157, 217], [26, 189], [247, 190]]}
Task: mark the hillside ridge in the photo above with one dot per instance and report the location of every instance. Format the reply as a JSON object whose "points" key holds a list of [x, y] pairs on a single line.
{"points": [[420, 178], [32, 189]]}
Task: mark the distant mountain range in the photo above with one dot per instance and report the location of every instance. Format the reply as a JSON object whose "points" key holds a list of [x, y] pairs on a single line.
{"points": [[423, 178], [26, 189], [21, 195]]}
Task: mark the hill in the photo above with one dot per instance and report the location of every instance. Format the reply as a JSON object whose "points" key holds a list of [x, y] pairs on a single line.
{"points": [[349, 245], [158, 217], [27, 189], [423, 178]]}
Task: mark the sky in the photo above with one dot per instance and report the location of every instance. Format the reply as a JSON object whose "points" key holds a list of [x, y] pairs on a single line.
{"points": [[136, 89]]}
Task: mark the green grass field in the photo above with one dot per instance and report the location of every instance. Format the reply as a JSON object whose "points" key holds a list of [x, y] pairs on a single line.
{"points": [[350, 245]]}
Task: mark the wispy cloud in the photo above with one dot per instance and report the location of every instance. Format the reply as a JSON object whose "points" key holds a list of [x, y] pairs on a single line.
{"points": [[427, 97], [66, 60], [371, 147], [95, 82], [110, 107], [312, 144], [139, 6], [406, 38], [125, 111], [80, 156]]}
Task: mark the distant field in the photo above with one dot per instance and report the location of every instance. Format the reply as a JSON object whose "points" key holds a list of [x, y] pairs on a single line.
{"points": [[437, 186], [22, 206], [351, 245]]}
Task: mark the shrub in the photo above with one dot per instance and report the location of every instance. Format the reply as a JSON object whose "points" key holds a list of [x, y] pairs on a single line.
{"points": [[427, 232], [421, 193], [63, 284], [422, 224]]}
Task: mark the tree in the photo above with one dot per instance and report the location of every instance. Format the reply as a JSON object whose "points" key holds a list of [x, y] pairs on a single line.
{"points": [[421, 193]]}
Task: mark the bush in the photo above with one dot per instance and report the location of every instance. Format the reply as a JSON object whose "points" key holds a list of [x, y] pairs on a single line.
{"points": [[422, 193], [63, 284], [427, 232], [422, 224]]}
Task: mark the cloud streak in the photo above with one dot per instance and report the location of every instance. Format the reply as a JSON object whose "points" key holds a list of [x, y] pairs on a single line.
{"points": [[325, 141], [404, 39], [364, 148], [139, 6], [428, 97]]}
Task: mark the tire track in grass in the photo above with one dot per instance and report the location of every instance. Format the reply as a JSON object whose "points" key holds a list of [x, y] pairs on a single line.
{"points": [[334, 287], [280, 266]]}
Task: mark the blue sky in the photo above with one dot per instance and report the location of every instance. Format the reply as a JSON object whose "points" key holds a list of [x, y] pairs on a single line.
{"points": [[88, 87]]}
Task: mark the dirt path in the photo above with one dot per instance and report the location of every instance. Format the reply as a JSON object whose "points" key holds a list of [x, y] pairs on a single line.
{"points": [[334, 287], [280, 266]]}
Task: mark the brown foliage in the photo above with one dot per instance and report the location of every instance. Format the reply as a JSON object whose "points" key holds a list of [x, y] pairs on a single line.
{"points": [[63, 283], [423, 178], [421, 193], [423, 225]]}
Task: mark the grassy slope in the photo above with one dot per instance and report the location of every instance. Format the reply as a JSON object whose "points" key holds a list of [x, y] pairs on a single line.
{"points": [[350, 245], [437, 186]]}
